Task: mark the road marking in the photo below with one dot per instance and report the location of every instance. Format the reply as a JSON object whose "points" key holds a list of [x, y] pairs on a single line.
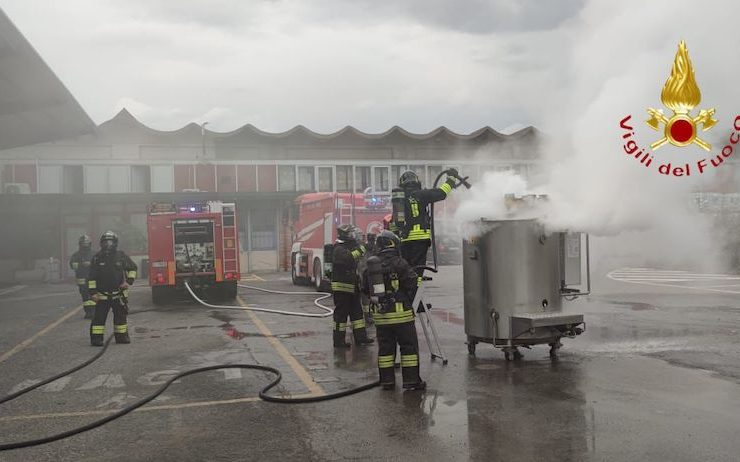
{"points": [[664, 278], [104, 380], [39, 334], [25, 384], [57, 385], [299, 370], [12, 289], [252, 278], [162, 407], [232, 374], [158, 377]]}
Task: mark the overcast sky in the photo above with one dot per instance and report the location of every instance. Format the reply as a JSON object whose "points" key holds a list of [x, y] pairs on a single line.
{"points": [[325, 64]]}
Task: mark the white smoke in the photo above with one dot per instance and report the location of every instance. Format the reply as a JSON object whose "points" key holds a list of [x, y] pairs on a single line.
{"points": [[620, 56]]}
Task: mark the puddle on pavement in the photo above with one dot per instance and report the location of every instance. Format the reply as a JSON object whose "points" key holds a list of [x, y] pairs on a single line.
{"points": [[448, 316]]}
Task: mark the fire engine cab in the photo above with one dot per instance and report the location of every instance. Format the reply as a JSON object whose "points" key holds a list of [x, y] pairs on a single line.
{"points": [[315, 226], [195, 242]]}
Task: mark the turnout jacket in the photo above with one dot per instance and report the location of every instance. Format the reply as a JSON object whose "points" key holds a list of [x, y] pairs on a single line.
{"points": [[109, 271], [418, 223], [345, 256], [80, 262]]}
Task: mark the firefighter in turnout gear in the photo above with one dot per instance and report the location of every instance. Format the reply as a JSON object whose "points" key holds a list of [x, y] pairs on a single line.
{"points": [[411, 220], [80, 263], [345, 288], [111, 273], [391, 284]]}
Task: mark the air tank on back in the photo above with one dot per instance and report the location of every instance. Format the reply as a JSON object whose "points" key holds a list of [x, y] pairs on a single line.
{"points": [[516, 275]]}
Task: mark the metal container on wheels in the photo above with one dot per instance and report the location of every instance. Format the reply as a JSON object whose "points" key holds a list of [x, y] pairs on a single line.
{"points": [[515, 277]]}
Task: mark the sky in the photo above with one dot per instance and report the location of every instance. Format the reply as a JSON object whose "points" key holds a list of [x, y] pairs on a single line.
{"points": [[325, 64]]}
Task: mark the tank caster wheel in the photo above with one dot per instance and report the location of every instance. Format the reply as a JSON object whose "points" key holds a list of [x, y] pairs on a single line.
{"points": [[512, 354], [555, 349], [444, 362], [471, 348]]}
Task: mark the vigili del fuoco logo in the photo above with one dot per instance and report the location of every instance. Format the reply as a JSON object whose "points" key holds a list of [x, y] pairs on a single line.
{"points": [[681, 95]]}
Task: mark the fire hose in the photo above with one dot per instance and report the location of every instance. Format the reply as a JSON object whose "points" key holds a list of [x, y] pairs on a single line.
{"points": [[137, 404], [463, 181]]}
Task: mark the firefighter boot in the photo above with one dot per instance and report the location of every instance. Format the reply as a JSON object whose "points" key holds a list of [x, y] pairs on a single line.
{"points": [[339, 340], [96, 340], [122, 338], [361, 337]]}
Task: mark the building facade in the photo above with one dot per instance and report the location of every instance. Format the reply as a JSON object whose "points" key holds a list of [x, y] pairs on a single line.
{"points": [[53, 192]]}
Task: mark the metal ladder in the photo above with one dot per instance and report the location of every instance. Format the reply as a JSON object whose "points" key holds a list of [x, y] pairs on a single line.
{"points": [[346, 211], [425, 318], [228, 234]]}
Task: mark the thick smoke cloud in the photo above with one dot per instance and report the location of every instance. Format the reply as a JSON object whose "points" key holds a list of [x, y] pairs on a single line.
{"points": [[618, 57]]}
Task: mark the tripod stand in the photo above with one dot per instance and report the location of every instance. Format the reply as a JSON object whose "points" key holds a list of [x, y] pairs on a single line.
{"points": [[425, 318]]}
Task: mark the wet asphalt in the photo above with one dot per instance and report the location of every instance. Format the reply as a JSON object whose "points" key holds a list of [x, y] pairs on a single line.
{"points": [[656, 376]]}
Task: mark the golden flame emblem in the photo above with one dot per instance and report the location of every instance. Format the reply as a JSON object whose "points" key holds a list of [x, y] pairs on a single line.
{"points": [[681, 94]]}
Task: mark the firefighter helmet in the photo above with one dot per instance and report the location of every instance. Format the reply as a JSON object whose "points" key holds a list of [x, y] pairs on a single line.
{"points": [[84, 242], [388, 240], [109, 241], [347, 233], [409, 180]]}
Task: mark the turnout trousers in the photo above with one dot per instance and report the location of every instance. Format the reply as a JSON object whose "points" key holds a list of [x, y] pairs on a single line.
{"points": [[87, 303], [348, 305], [415, 254], [120, 325], [403, 335]]}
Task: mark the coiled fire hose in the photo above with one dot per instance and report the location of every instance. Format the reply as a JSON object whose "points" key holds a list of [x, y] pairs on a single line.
{"points": [[137, 404]]}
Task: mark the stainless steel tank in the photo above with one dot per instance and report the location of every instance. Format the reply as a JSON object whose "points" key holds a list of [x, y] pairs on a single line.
{"points": [[515, 277]]}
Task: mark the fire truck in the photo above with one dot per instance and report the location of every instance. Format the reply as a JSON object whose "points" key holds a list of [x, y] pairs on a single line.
{"points": [[195, 242], [318, 216]]}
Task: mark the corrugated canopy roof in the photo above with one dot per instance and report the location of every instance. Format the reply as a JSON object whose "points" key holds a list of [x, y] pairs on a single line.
{"points": [[35, 106]]}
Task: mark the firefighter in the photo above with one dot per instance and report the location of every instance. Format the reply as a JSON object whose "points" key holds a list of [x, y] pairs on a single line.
{"points": [[80, 263], [345, 288], [111, 273], [414, 227], [393, 312]]}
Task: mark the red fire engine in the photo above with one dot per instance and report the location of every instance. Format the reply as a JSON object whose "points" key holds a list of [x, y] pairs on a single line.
{"points": [[195, 242], [318, 216]]}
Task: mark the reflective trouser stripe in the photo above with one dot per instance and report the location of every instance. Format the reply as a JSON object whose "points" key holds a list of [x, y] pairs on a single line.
{"points": [[89, 303], [92, 284], [340, 326], [131, 275], [342, 287], [120, 329], [358, 324], [383, 319], [417, 234], [385, 361], [81, 281], [97, 330], [409, 360]]}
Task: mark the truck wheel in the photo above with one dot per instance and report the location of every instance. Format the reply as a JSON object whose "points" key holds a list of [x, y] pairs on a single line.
{"points": [[161, 295], [293, 276], [227, 291]]}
